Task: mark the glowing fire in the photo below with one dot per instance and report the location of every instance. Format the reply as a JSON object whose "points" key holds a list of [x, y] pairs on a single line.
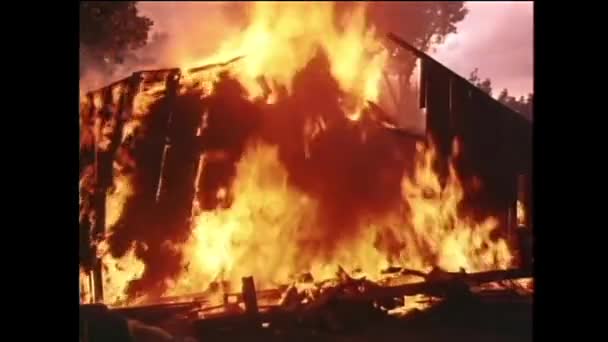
{"points": [[256, 235], [282, 37], [265, 229], [457, 242], [85, 287], [270, 229], [117, 272], [116, 198], [145, 97]]}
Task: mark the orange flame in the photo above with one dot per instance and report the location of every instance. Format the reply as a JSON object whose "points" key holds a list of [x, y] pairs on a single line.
{"points": [[265, 211], [85, 287], [118, 273], [117, 92], [116, 199], [282, 37], [146, 96], [264, 231], [456, 241]]}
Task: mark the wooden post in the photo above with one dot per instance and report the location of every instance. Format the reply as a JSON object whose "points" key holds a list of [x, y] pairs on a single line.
{"points": [[251, 300]]}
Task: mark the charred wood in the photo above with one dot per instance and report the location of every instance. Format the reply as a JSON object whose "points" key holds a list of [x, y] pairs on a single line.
{"points": [[250, 298]]}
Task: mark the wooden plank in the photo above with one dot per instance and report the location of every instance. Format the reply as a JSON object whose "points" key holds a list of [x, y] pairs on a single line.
{"points": [[215, 65], [249, 297]]}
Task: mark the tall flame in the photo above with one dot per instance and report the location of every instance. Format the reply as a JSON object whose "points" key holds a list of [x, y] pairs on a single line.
{"points": [[272, 229], [282, 37], [266, 231], [456, 241], [118, 272], [256, 235]]}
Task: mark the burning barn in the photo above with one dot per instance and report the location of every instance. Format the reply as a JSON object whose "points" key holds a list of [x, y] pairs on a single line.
{"points": [[269, 183]]}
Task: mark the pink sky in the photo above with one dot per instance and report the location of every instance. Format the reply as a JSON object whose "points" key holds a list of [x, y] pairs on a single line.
{"points": [[497, 38]]}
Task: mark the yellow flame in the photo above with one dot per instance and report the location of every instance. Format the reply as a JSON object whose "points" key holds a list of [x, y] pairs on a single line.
{"points": [[116, 199], [265, 211], [458, 242], [97, 100], [146, 97], [413, 303], [117, 91], [118, 273], [282, 37], [265, 230], [85, 287]]}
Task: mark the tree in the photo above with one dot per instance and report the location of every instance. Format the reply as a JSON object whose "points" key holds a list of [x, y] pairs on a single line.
{"points": [[503, 96], [523, 105], [421, 23], [110, 30], [485, 85]]}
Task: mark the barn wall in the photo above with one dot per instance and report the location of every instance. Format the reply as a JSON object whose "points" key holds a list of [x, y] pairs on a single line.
{"points": [[495, 142]]}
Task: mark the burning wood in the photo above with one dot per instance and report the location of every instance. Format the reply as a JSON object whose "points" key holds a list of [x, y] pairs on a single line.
{"points": [[227, 176], [337, 307]]}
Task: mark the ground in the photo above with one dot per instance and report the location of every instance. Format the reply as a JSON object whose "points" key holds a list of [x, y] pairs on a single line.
{"points": [[487, 320]]}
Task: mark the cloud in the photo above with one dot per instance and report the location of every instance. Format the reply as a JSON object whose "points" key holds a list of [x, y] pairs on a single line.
{"points": [[497, 38]]}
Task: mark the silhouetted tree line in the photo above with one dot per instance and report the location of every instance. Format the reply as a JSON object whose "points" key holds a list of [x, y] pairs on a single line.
{"points": [[523, 104]]}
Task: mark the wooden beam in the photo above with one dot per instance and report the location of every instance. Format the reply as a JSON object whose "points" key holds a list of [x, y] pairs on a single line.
{"points": [[249, 297]]}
